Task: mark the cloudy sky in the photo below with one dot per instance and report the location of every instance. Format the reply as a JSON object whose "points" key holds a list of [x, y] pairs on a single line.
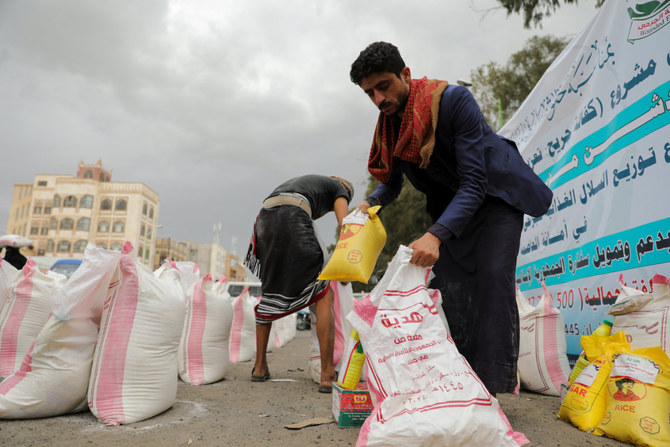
{"points": [[212, 103]]}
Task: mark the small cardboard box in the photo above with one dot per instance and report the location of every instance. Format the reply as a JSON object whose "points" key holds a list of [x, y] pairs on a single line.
{"points": [[351, 407]]}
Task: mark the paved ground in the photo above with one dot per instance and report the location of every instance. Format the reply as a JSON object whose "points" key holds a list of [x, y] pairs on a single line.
{"points": [[238, 412]]}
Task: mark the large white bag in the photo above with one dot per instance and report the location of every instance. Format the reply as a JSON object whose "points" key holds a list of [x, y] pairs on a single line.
{"points": [[543, 361], [8, 276], [243, 331], [647, 326], [426, 393], [133, 376], [53, 377], [25, 313], [204, 355]]}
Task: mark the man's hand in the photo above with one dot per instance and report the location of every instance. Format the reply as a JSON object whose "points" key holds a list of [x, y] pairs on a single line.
{"points": [[363, 206], [426, 250]]}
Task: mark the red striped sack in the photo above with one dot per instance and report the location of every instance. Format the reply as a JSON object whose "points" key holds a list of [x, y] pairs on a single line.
{"points": [[425, 392]]}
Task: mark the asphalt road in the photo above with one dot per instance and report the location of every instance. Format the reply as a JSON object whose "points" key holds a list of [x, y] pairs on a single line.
{"points": [[238, 412]]}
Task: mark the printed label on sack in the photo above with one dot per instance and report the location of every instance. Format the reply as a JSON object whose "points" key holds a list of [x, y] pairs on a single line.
{"points": [[588, 375], [633, 367], [358, 218]]}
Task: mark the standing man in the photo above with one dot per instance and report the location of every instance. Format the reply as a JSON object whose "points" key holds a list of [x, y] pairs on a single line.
{"points": [[477, 189], [286, 254]]}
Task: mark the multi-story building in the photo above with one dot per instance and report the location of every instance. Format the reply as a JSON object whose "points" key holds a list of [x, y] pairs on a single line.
{"points": [[211, 258], [62, 213]]}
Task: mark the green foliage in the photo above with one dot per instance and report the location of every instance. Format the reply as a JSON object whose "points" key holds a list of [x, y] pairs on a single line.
{"points": [[513, 82], [534, 11]]}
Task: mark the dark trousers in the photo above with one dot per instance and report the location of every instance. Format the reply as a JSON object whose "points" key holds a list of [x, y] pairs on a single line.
{"points": [[475, 274]]}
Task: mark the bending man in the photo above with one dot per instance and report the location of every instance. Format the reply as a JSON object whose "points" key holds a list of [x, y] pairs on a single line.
{"points": [[286, 255]]}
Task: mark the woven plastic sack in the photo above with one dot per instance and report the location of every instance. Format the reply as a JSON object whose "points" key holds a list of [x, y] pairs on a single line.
{"points": [[243, 331], [543, 362], [53, 377], [204, 355], [25, 314], [638, 399], [283, 330], [8, 276], [14, 240], [133, 376], [585, 402], [647, 327], [361, 239], [629, 300], [426, 393]]}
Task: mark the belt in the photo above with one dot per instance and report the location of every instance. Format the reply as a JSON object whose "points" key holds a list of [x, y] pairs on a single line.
{"points": [[285, 199]]}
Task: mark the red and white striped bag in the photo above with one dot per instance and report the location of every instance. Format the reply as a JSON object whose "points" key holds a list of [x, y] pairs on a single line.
{"points": [[25, 313], [204, 348], [243, 330], [425, 392], [8, 276], [53, 377], [543, 361], [133, 375]]}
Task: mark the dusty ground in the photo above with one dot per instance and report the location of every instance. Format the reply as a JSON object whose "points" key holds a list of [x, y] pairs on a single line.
{"points": [[238, 412]]}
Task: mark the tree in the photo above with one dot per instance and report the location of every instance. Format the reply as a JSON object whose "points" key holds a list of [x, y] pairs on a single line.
{"points": [[535, 10], [512, 82]]}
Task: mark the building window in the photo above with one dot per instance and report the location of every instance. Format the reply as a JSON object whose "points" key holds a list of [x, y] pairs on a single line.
{"points": [[88, 174], [56, 202], [40, 252], [102, 245], [70, 202], [103, 226], [42, 183], [79, 246], [102, 177], [50, 245], [118, 226], [53, 223], [106, 204], [121, 205], [45, 230], [151, 213], [64, 246], [142, 230], [34, 230], [37, 210], [47, 210], [115, 246], [66, 224], [149, 233], [84, 224], [144, 209], [86, 202], [140, 251]]}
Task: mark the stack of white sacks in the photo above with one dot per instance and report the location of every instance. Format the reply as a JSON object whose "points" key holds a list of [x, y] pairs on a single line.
{"points": [[116, 337], [543, 365]]}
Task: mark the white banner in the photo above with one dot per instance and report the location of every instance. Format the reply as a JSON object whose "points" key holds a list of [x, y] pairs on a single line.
{"points": [[595, 129]]}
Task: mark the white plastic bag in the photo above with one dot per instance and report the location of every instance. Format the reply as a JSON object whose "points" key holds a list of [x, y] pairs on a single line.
{"points": [[53, 377], [133, 376], [204, 355], [8, 276], [25, 314], [243, 331], [543, 362], [426, 393], [648, 326]]}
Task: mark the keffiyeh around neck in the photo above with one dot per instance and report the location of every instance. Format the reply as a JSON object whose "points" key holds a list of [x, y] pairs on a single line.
{"points": [[416, 136]]}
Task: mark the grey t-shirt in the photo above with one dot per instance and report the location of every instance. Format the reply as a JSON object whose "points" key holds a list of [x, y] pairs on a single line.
{"points": [[320, 190]]}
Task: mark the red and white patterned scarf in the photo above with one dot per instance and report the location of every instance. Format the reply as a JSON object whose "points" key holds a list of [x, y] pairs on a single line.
{"points": [[416, 137]]}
